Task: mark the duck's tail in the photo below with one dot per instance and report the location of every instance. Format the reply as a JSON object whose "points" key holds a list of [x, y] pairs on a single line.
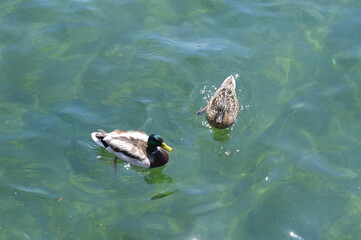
{"points": [[98, 138]]}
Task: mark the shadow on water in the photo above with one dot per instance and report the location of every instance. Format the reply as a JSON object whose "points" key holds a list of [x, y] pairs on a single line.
{"points": [[155, 175], [222, 134], [163, 195]]}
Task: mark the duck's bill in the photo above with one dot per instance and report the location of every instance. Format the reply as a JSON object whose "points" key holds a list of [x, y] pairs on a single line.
{"points": [[166, 147]]}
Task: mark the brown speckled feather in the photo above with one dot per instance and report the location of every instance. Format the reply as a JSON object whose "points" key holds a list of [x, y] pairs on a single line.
{"points": [[225, 95]]}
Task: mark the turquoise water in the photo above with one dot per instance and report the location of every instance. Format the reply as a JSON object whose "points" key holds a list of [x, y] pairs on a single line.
{"points": [[288, 169]]}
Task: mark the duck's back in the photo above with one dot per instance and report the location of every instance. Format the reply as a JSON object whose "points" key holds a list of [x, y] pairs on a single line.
{"points": [[225, 95]]}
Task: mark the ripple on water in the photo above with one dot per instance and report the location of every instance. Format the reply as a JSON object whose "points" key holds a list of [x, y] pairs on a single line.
{"points": [[314, 162]]}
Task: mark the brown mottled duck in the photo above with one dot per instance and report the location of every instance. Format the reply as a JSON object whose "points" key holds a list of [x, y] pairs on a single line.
{"points": [[222, 109]]}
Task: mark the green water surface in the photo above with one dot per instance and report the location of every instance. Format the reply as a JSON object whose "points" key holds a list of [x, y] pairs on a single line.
{"points": [[289, 168]]}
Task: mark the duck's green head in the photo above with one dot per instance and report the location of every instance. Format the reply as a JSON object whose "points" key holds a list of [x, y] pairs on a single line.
{"points": [[155, 140]]}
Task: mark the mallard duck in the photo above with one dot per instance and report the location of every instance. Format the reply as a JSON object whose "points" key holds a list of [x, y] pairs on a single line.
{"points": [[222, 109], [134, 147]]}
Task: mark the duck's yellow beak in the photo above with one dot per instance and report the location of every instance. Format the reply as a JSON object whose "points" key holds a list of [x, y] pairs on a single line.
{"points": [[166, 147]]}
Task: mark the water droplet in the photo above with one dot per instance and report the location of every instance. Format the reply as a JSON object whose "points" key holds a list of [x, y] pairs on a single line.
{"points": [[294, 235]]}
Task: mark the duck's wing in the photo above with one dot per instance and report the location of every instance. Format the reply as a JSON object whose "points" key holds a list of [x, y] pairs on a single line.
{"points": [[217, 99], [118, 131], [133, 143]]}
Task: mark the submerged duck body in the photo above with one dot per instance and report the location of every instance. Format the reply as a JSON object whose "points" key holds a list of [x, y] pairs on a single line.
{"points": [[134, 147], [222, 109]]}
